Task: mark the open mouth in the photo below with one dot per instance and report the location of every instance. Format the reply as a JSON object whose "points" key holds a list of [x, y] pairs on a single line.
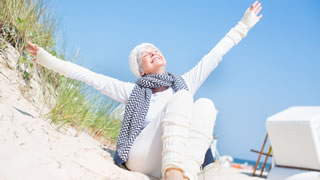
{"points": [[155, 59]]}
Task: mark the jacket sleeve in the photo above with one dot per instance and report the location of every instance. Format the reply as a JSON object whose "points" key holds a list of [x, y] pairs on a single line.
{"points": [[198, 74], [113, 88]]}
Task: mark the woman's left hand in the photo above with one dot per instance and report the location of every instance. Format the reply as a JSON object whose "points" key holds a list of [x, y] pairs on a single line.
{"points": [[256, 8]]}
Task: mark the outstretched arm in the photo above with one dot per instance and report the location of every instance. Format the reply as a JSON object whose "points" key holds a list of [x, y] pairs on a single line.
{"points": [[198, 74], [249, 19], [115, 89]]}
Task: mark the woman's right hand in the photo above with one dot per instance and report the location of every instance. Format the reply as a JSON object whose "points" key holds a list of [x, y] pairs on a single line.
{"points": [[33, 49]]}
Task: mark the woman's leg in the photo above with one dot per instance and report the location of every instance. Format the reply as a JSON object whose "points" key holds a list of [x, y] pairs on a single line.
{"points": [[200, 135], [175, 127], [145, 153]]}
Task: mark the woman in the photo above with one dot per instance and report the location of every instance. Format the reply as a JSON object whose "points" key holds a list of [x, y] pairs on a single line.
{"points": [[164, 133]]}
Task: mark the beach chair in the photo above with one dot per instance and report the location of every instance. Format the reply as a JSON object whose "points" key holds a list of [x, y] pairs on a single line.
{"points": [[294, 135], [268, 154]]}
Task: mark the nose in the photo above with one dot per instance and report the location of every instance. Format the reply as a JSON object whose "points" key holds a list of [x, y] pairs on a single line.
{"points": [[153, 53]]}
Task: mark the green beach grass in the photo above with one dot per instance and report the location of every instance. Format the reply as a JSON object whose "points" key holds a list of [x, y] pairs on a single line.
{"points": [[30, 20]]}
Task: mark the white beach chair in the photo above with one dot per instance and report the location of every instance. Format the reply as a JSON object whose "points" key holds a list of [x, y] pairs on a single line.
{"points": [[295, 139]]}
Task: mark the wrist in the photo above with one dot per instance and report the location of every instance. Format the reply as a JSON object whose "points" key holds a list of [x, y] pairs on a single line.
{"points": [[249, 19], [41, 56], [241, 30]]}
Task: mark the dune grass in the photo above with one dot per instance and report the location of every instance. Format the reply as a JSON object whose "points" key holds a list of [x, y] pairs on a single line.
{"points": [[85, 111], [30, 20]]}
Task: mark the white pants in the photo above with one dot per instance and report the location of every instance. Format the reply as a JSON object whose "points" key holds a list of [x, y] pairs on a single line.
{"points": [[147, 150]]}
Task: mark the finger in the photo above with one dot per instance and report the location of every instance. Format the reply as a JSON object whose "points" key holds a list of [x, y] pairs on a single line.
{"points": [[257, 7], [255, 3], [37, 47], [260, 16], [32, 52], [30, 44], [34, 46], [30, 48], [258, 10]]}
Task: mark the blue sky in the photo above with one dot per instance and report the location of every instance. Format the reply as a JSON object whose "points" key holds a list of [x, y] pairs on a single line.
{"points": [[276, 66]]}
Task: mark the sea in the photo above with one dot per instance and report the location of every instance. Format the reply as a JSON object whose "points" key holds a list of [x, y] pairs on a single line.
{"points": [[251, 163]]}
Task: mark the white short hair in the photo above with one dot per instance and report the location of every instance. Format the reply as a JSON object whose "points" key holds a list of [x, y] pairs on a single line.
{"points": [[135, 58]]}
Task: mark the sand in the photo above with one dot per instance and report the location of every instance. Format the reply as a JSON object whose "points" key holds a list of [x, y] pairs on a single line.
{"points": [[32, 148]]}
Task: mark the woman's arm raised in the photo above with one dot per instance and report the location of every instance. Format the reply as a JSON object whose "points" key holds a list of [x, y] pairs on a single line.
{"points": [[198, 74], [115, 89]]}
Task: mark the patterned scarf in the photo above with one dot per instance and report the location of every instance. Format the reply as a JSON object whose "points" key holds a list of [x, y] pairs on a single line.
{"points": [[137, 109]]}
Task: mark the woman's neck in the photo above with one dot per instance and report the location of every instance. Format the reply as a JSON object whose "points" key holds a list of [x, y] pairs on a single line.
{"points": [[160, 89]]}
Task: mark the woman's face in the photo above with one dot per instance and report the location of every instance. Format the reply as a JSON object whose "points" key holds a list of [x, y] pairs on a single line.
{"points": [[152, 61]]}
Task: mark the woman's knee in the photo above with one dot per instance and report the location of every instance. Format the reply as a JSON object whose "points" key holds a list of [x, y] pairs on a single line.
{"points": [[183, 95], [206, 104], [180, 105], [182, 99], [205, 109]]}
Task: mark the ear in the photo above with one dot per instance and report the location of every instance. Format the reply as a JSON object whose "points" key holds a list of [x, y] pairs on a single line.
{"points": [[142, 73]]}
